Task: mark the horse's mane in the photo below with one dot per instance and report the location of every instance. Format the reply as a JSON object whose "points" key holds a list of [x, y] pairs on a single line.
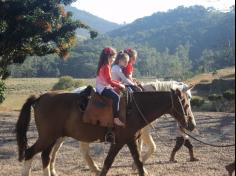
{"points": [[166, 86]]}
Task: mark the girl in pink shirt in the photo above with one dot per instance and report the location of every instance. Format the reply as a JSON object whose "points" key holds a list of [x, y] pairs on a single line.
{"points": [[105, 85]]}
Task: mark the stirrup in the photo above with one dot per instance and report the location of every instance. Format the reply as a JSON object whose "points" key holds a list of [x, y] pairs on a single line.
{"points": [[110, 137]]}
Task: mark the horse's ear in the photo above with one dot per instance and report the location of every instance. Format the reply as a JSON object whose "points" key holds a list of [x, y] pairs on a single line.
{"points": [[191, 86]]}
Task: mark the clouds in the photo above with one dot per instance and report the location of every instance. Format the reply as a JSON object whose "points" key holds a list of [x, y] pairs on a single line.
{"points": [[120, 11]]}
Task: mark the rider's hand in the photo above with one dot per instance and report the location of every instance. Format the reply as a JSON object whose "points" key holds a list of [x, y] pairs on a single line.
{"points": [[122, 86]]}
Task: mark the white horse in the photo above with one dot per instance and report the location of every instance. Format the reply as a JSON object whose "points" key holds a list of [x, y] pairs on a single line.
{"points": [[145, 138]]}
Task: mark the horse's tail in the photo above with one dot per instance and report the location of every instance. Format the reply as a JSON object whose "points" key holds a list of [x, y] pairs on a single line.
{"points": [[22, 126]]}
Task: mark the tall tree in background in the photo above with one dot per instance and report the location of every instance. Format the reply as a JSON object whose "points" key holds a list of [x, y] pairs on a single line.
{"points": [[35, 28]]}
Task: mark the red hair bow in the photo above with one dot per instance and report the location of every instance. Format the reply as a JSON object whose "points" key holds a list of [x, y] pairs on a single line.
{"points": [[128, 51], [107, 50]]}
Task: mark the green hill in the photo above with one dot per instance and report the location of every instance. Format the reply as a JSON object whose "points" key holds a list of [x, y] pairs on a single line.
{"points": [[196, 26], [174, 45], [99, 24]]}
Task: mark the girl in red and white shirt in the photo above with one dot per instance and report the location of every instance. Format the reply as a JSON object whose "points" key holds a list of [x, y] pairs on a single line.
{"points": [[105, 85]]}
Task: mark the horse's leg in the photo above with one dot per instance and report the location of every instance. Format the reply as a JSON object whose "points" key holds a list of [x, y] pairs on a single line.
{"points": [[29, 154], [136, 156], [139, 143], [84, 148], [178, 145], [148, 140], [46, 160], [188, 144], [55, 149], [114, 150]]}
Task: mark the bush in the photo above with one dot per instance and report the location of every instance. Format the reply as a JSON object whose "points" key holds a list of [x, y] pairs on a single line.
{"points": [[214, 97], [197, 101], [2, 91], [64, 82], [229, 95], [79, 83], [67, 82]]}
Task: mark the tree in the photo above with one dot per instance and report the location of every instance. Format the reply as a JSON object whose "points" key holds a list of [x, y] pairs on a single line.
{"points": [[35, 28]]}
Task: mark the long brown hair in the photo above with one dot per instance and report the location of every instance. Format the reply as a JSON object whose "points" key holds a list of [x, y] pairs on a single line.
{"points": [[105, 55], [121, 56], [131, 52]]}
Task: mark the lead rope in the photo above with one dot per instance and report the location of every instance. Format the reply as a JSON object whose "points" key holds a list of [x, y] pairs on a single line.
{"points": [[206, 143]]}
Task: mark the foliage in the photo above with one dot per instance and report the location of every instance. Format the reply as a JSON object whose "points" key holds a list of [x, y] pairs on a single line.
{"points": [[229, 95], [197, 101], [35, 28], [67, 82], [215, 97], [64, 82], [2, 90], [101, 25], [173, 45]]}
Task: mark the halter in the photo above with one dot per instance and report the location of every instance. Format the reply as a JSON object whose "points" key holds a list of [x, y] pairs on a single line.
{"points": [[173, 108]]}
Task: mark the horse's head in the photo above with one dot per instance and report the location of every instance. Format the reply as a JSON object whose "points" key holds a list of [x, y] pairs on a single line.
{"points": [[181, 108]]}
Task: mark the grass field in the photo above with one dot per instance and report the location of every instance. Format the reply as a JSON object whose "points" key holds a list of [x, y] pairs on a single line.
{"points": [[227, 73], [19, 89]]}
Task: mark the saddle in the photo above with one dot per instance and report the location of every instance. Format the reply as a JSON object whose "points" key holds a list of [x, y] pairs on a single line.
{"points": [[99, 110]]}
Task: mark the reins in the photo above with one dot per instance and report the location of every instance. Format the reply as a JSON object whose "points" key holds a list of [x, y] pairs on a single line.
{"points": [[140, 112], [173, 108]]}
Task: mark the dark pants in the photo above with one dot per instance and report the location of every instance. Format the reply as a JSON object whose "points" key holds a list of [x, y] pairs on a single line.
{"points": [[110, 93], [180, 141]]}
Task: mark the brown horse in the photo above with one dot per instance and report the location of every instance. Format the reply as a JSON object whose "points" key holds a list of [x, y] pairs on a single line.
{"points": [[60, 115]]}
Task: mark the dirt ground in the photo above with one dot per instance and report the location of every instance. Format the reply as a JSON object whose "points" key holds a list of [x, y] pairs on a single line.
{"points": [[217, 128]]}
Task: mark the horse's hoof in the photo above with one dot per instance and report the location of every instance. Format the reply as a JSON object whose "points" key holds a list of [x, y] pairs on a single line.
{"points": [[98, 174], [96, 171], [173, 161], [194, 159], [53, 173], [230, 169], [146, 172]]}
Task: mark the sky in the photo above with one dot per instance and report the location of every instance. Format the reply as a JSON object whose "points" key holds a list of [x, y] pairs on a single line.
{"points": [[126, 11]]}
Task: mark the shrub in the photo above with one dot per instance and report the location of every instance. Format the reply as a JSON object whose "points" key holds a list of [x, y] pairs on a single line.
{"points": [[214, 97], [229, 95], [67, 82], [197, 101], [2, 91], [64, 82], [79, 83]]}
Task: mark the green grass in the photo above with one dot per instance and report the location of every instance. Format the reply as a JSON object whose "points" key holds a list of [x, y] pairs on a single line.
{"points": [[227, 73], [19, 89]]}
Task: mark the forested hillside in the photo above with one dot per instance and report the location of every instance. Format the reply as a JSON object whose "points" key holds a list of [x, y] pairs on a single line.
{"points": [[176, 44], [100, 25]]}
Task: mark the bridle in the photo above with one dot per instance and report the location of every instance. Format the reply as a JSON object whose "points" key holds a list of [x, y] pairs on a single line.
{"points": [[173, 108]]}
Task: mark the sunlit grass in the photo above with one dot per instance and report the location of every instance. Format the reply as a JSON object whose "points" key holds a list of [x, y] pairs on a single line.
{"points": [[19, 89]]}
